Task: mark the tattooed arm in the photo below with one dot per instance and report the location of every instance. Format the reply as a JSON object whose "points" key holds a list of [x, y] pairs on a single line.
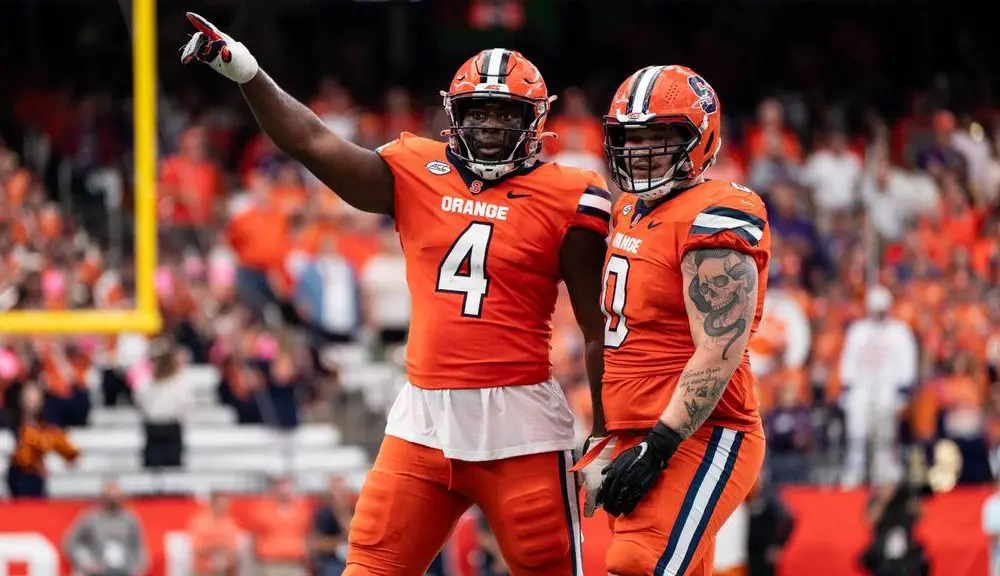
{"points": [[720, 292]]}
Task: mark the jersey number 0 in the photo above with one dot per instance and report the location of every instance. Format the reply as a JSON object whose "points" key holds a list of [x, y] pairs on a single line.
{"points": [[615, 282], [463, 270]]}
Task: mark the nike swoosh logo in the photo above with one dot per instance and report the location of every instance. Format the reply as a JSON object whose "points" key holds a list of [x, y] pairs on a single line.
{"points": [[511, 195], [652, 225], [642, 452]]}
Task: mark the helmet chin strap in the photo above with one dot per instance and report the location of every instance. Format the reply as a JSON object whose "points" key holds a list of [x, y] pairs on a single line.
{"points": [[656, 193], [664, 190], [491, 171], [658, 187]]}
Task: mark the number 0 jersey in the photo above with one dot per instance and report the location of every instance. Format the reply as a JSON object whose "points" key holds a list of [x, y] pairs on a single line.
{"points": [[647, 335], [482, 262]]}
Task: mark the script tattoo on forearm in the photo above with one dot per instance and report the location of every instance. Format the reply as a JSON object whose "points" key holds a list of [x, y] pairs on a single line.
{"points": [[722, 283], [700, 390]]}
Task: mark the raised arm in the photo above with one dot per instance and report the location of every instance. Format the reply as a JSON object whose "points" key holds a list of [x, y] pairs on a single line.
{"points": [[720, 294], [357, 175], [581, 258]]}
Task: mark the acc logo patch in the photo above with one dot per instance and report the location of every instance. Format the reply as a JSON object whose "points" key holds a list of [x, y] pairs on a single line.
{"points": [[741, 187], [439, 168], [626, 209]]}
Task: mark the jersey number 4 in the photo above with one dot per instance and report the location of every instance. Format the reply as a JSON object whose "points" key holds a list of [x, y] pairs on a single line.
{"points": [[613, 305], [463, 270]]}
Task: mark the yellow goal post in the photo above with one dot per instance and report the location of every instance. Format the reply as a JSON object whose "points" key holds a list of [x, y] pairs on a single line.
{"points": [[145, 317]]}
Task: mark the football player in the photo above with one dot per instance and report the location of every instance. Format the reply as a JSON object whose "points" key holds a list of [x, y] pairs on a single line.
{"points": [[684, 282], [488, 232]]}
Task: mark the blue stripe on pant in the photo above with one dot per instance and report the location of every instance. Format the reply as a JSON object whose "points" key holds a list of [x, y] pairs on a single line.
{"points": [[700, 502]]}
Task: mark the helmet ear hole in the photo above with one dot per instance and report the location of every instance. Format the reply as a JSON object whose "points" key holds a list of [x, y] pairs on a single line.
{"points": [[709, 142]]}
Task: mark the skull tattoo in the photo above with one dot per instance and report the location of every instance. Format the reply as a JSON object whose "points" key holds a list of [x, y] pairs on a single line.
{"points": [[720, 290]]}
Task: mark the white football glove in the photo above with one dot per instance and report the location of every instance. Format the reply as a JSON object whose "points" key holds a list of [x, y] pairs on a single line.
{"points": [[217, 49], [591, 475]]}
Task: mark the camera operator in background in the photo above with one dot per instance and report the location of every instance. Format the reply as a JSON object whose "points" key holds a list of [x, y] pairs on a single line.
{"points": [[893, 513], [770, 527]]}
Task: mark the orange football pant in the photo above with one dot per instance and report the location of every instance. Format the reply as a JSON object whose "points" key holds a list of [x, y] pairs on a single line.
{"points": [[672, 530], [413, 497]]}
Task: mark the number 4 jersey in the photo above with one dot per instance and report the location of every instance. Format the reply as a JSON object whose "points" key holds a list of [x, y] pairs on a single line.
{"points": [[482, 262], [647, 336]]}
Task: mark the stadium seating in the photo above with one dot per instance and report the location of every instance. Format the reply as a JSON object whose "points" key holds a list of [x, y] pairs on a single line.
{"points": [[219, 454]]}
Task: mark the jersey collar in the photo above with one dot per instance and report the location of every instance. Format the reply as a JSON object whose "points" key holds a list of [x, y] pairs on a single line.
{"points": [[642, 209], [470, 177]]}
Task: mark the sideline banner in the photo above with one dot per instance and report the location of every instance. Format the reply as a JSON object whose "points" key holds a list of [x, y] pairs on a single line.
{"points": [[829, 536]]}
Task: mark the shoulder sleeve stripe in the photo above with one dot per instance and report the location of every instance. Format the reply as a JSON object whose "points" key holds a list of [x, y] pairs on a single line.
{"points": [[594, 190], [595, 202], [737, 214], [603, 214], [716, 223], [741, 232]]}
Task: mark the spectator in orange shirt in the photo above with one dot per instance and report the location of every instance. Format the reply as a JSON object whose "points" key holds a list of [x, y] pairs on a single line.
{"points": [[288, 190], [770, 136], [281, 528], [215, 539], [577, 123], [34, 438], [259, 235], [190, 183]]}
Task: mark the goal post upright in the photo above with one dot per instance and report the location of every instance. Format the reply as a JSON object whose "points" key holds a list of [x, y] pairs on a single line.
{"points": [[145, 317]]}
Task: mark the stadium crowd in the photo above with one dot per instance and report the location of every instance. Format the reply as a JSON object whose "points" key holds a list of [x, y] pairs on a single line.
{"points": [[256, 258], [243, 227]]}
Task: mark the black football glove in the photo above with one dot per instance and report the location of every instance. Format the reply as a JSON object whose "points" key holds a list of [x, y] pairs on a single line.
{"points": [[630, 476]]}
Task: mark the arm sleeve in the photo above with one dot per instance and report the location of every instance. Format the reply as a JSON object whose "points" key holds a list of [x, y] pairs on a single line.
{"points": [[395, 153], [63, 446], [392, 150], [736, 222], [593, 209]]}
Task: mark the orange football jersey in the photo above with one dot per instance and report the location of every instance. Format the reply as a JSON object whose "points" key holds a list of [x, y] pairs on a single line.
{"points": [[647, 336], [482, 262]]}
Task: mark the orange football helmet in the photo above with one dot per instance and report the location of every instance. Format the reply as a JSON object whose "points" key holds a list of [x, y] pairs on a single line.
{"points": [[684, 104], [498, 75]]}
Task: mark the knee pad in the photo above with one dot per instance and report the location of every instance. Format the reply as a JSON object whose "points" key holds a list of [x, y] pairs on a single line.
{"points": [[535, 524], [373, 512], [628, 558]]}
